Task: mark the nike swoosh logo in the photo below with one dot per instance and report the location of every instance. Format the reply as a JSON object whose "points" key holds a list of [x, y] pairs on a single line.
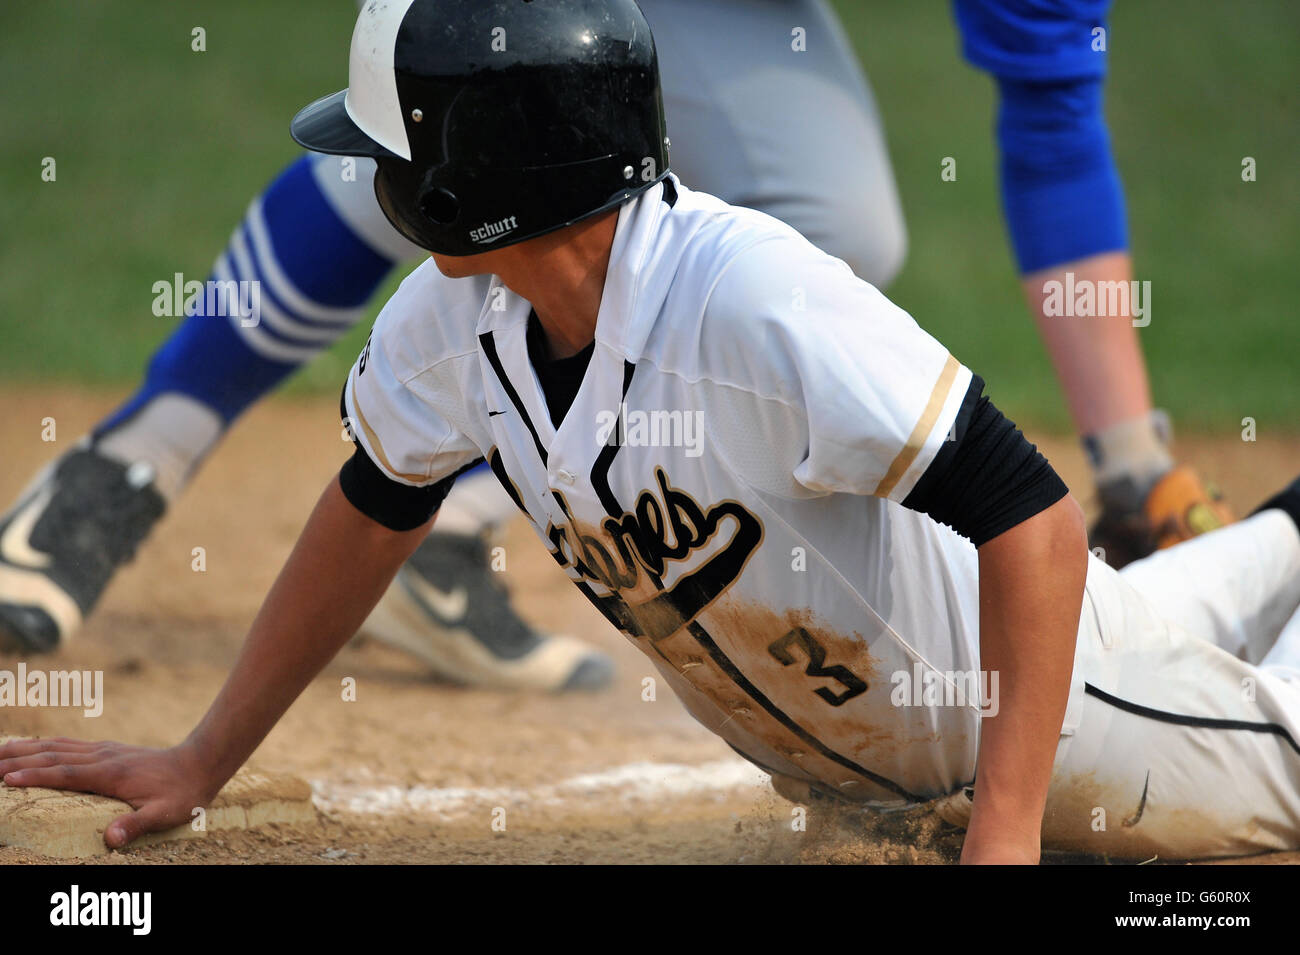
{"points": [[493, 414], [15, 544], [451, 607]]}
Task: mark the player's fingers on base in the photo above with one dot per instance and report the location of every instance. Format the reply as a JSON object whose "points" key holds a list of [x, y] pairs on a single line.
{"points": [[90, 777], [25, 747], [12, 756], [41, 760], [152, 817], [69, 741]]}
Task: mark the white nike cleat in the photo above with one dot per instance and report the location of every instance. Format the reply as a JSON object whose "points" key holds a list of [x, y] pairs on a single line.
{"points": [[60, 545], [446, 608]]}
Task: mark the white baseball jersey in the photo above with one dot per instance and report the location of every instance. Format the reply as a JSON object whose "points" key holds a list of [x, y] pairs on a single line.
{"points": [[725, 485]]}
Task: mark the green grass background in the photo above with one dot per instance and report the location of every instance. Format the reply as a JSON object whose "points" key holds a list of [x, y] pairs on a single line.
{"points": [[159, 150]]}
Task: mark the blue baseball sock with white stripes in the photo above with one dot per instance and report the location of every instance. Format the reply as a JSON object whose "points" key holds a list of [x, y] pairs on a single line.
{"points": [[315, 274]]}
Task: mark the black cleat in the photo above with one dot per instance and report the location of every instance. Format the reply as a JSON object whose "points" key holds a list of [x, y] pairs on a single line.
{"points": [[62, 542]]}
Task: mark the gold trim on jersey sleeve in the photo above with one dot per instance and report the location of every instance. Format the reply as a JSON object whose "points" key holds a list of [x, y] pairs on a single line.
{"points": [[917, 439], [379, 448]]}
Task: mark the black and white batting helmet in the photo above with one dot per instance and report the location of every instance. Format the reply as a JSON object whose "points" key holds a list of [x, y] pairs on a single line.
{"points": [[495, 121]]}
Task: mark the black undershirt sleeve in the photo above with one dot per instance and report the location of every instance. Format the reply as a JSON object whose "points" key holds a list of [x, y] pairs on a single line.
{"points": [[987, 477], [399, 507]]}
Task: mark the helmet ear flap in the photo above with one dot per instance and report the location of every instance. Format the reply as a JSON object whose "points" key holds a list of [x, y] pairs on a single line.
{"points": [[417, 207], [440, 205]]}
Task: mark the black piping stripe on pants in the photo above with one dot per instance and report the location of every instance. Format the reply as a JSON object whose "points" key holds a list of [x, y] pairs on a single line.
{"points": [[1178, 719]]}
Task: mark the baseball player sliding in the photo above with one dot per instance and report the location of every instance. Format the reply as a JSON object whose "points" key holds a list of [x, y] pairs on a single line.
{"points": [[771, 110], [782, 490]]}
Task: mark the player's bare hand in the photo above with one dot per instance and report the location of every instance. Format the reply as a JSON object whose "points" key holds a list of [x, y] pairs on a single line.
{"points": [[163, 786]]}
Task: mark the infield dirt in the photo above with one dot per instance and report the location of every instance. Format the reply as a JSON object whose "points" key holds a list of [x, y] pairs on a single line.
{"points": [[416, 770]]}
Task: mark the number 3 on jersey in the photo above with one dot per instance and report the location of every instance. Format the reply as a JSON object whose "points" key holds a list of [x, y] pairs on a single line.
{"points": [[781, 649]]}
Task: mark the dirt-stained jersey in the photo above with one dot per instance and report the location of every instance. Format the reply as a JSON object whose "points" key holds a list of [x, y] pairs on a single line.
{"points": [[725, 485]]}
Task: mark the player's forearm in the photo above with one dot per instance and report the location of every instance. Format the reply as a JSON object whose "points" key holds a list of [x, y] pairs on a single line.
{"points": [[340, 566], [1031, 592]]}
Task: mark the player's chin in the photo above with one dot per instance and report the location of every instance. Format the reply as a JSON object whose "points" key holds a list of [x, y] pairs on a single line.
{"points": [[459, 266]]}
